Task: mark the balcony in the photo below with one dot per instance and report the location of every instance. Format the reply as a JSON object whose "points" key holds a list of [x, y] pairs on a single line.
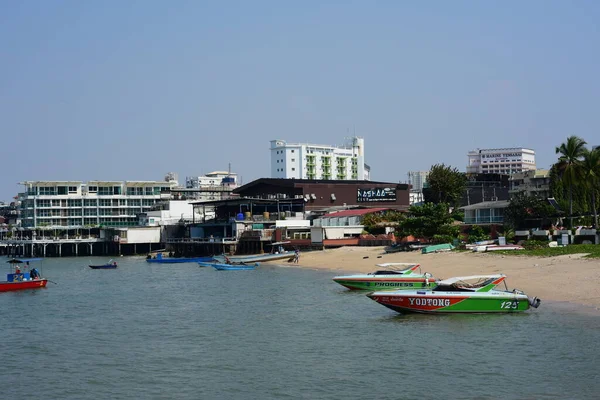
{"points": [[484, 220]]}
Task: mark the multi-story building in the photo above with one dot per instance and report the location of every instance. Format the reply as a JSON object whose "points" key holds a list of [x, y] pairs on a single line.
{"points": [[417, 179], [216, 185], [314, 161], [533, 183], [500, 161], [73, 204]]}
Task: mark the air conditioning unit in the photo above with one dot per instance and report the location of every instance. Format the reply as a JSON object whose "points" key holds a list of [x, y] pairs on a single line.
{"points": [[313, 196], [333, 196]]}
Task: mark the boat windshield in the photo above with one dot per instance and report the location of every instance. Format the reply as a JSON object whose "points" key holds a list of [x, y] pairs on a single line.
{"points": [[388, 272]]}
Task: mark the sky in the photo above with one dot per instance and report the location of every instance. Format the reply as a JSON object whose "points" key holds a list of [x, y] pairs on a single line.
{"points": [[130, 90]]}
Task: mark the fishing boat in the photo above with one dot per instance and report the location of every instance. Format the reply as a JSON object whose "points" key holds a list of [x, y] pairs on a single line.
{"points": [[257, 257], [109, 265], [393, 276], [468, 294], [20, 278], [229, 267], [176, 260]]}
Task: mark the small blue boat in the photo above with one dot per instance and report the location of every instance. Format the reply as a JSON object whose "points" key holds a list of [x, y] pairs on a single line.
{"points": [[104, 266], [229, 267], [161, 260]]}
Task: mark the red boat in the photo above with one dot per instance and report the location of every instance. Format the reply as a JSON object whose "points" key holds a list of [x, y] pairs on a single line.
{"points": [[22, 277]]}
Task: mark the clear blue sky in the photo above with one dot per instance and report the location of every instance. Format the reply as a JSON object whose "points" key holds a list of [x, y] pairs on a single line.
{"points": [[129, 90]]}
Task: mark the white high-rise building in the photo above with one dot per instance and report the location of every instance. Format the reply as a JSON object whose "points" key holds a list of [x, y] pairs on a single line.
{"points": [[315, 161], [500, 161], [417, 179]]}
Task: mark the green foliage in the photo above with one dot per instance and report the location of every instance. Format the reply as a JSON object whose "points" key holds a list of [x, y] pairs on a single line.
{"points": [[428, 220], [445, 184], [375, 223], [534, 244], [458, 215], [476, 234], [524, 211], [592, 251]]}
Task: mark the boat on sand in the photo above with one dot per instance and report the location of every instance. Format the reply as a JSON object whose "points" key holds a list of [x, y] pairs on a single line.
{"points": [[468, 294], [391, 276]]}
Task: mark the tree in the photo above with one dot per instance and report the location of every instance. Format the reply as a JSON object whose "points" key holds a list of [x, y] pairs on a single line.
{"points": [[590, 175], [427, 221], [445, 184], [525, 211], [568, 165]]}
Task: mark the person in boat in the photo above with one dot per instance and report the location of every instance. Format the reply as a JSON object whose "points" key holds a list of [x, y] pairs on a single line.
{"points": [[17, 270], [34, 273], [148, 257], [115, 263], [227, 261]]}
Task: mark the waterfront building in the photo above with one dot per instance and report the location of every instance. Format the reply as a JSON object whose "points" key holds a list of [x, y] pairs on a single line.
{"points": [[417, 179], [534, 183], [216, 185], [501, 161], [314, 161], [74, 204]]}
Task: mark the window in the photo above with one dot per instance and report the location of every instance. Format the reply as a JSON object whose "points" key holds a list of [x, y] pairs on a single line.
{"points": [[293, 160], [92, 189], [72, 189], [292, 151], [116, 189], [293, 169], [62, 190]]}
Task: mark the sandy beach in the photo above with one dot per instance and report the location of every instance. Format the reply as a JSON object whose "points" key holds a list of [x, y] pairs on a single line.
{"points": [[569, 278]]}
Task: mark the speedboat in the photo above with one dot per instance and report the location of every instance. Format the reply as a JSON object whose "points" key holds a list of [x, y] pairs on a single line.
{"points": [[468, 294], [19, 278], [393, 276]]}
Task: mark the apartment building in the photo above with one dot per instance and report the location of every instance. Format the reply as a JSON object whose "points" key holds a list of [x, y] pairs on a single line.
{"points": [[73, 204], [500, 161], [316, 162]]}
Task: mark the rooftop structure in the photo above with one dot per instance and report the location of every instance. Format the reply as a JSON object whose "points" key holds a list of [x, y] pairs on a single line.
{"points": [[216, 185], [501, 161], [315, 161], [533, 183]]}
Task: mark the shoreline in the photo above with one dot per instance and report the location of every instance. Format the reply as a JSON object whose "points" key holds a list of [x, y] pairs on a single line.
{"points": [[568, 278]]}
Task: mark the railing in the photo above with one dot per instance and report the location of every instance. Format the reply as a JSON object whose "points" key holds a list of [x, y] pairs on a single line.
{"points": [[202, 240], [484, 220]]}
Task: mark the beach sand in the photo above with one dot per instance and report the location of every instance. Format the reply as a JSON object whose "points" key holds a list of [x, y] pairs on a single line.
{"points": [[568, 278]]}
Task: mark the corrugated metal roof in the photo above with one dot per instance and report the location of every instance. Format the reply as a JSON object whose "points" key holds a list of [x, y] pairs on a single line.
{"points": [[354, 213]]}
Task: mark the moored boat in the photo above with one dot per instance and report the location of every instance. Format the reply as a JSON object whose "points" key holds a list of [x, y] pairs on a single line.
{"points": [[109, 265], [392, 276], [229, 267], [256, 257], [19, 278], [469, 294]]}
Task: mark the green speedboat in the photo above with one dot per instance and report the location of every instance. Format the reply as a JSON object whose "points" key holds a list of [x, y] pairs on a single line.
{"points": [[468, 294], [394, 276]]}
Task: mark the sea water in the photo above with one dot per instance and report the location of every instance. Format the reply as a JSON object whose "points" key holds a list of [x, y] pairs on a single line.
{"points": [[160, 331]]}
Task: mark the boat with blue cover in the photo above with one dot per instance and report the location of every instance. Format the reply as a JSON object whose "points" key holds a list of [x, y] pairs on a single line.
{"points": [[22, 276]]}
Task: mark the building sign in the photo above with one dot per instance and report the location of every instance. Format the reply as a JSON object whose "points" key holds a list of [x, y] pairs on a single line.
{"points": [[376, 194]]}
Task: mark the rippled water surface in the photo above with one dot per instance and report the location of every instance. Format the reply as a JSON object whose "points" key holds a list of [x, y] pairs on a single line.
{"points": [[148, 331]]}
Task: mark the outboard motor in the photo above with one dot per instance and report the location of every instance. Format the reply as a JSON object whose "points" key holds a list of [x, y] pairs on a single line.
{"points": [[534, 302]]}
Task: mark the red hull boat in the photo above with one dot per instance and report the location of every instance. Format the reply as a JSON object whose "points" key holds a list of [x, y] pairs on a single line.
{"points": [[35, 284], [23, 276]]}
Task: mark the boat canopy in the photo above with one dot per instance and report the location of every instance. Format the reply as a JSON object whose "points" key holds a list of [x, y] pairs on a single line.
{"points": [[23, 260], [398, 266], [464, 279]]}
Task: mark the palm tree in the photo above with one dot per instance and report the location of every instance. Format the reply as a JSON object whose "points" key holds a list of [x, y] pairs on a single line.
{"points": [[590, 174], [568, 165]]}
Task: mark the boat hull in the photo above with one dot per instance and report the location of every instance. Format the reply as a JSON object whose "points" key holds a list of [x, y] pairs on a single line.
{"points": [[371, 283], [432, 302], [227, 267], [32, 284], [103, 266]]}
